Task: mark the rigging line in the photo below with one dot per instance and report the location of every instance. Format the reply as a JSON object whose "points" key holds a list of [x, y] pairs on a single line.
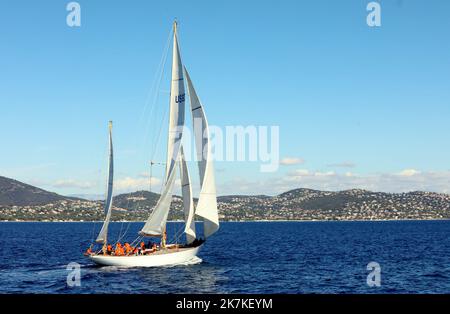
{"points": [[128, 223], [153, 86], [157, 144], [157, 136], [120, 232], [179, 234], [93, 232], [152, 104], [126, 230], [155, 92], [153, 95], [157, 97], [158, 140], [135, 241]]}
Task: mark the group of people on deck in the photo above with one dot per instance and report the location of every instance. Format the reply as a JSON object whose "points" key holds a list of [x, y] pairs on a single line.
{"points": [[126, 249]]}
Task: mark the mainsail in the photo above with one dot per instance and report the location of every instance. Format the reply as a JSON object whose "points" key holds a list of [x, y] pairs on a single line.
{"points": [[177, 104], [102, 236], [156, 224], [188, 202], [207, 201]]}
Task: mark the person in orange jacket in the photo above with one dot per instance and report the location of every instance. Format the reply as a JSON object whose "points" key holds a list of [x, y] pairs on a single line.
{"points": [[128, 248], [88, 251], [119, 250]]}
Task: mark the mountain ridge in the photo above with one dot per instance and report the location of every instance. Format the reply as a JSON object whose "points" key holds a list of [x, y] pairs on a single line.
{"points": [[20, 201], [16, 193]]}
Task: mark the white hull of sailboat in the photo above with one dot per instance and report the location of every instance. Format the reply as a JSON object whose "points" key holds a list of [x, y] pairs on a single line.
{"points": [[170, 257]]}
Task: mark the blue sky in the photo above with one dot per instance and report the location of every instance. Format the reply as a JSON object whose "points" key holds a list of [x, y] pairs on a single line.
{"points": [[359, 107]]}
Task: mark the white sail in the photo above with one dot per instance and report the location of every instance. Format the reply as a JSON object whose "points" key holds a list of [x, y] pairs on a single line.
{"points": [[156, 224], [207, 201], [188, 202], [177, 104], [102, 236]]}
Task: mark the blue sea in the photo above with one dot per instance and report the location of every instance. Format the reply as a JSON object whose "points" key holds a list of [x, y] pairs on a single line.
{"points": [[243, 257]]}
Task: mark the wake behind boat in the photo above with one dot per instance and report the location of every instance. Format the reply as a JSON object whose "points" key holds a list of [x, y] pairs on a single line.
{"points": [[137, 253]]}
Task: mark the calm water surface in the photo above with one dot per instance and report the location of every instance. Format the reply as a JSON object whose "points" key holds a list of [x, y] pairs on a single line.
{"points": [[250, 257]]}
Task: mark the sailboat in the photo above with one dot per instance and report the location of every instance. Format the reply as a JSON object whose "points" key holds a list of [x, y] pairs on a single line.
{"points": [[166, 253]]}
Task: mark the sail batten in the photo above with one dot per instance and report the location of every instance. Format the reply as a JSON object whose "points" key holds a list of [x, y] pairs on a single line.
{"points": [[103, 235], [207, 201]]}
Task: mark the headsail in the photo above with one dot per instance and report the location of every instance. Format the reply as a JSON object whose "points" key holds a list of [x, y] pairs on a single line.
{"points": [[207, 202], [188, 202], [102, 236], [177, 104], [156, 224]]}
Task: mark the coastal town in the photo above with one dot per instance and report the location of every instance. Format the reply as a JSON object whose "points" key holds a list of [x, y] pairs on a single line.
{"points": [[299, 204]]}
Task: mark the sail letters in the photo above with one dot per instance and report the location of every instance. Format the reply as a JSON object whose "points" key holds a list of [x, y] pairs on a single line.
{"points": [[180, 98]]}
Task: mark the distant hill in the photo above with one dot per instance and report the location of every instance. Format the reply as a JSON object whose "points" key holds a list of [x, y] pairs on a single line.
{"points": [[299, 204], [13, 192], [135, 200], [89, 197]]}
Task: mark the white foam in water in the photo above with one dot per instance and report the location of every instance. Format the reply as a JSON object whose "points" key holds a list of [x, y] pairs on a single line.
{"points": [[193, 261]]}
